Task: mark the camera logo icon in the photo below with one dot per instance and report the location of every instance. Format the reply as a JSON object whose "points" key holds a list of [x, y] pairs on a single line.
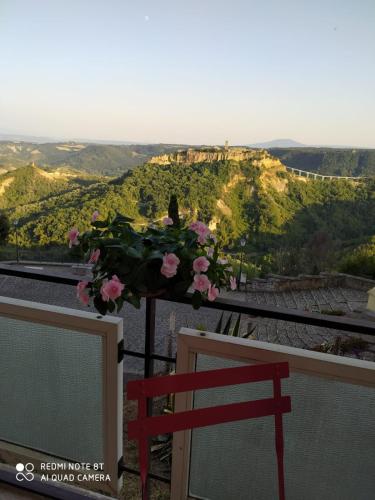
{"points": [[25, 472]]}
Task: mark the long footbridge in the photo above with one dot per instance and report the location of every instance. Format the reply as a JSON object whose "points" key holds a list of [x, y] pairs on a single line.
{"points": [[314, 175]]}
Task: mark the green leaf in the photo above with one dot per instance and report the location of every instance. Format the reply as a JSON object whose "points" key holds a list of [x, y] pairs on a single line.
{"points": [[237, 327], [134, 300], [227, 326], [132, 252], [122, 219], [111, 306], [99, 223], [249, 332], [100, 305], [220, 324], [155, 254]]}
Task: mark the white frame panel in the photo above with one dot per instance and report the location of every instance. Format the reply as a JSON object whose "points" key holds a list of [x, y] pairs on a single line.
{"points": [[110, 328], [192, 342]]}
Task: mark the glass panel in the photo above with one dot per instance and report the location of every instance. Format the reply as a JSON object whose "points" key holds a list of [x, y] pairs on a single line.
{"points": [[329, 442], [51, 390]]}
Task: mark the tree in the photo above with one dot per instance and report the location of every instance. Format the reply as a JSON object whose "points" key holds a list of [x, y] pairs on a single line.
{"points": [[173, 210], [4, 227]]}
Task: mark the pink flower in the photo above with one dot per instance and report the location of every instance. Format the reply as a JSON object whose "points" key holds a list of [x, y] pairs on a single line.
{"points": [[200, 264], [81, 293], [201, 282], [81, 286], [167, 221], [73, 237], [202, 231], [194, 226], [171, 259], [95, 215], [233, 283], [112, 289], [213, 293], [94, 256], [169, 266]]}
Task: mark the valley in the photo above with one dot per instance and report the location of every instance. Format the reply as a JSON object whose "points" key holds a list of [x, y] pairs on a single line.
{"points": [[292, 224]]}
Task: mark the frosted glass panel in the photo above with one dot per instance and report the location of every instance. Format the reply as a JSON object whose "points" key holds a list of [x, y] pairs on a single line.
{"points": [[329, 442], [51, 390]]}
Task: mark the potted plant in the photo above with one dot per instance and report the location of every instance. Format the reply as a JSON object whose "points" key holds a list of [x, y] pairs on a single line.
{"points": [[164, 260]]}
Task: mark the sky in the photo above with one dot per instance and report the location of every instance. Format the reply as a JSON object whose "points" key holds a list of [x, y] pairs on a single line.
{"points": [[189, 71]]}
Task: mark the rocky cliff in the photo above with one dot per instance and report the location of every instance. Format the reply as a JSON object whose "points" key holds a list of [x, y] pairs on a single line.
{"points": [[190, 156]]}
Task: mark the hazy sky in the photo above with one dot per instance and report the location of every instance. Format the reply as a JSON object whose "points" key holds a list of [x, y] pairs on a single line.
{"points": [[189, 71]]}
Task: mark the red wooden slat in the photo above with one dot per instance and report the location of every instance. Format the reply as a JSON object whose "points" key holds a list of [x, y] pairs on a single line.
{"points": [[203, 417], [183, 382]]}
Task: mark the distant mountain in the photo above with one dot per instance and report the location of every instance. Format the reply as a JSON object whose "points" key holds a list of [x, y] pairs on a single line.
{"points": [[26, 138], [278, 143], [36, 139]]}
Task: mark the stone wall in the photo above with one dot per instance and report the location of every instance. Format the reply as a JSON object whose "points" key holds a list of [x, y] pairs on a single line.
{"points": [[277, 283]]}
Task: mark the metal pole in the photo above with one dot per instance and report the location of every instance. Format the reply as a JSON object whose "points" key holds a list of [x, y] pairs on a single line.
{"points": [[17, 249], [242, 243], [240, 272], [149, 363], [149, 337]]}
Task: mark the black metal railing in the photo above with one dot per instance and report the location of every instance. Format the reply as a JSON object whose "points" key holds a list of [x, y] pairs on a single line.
{"points": [[248, 308]]}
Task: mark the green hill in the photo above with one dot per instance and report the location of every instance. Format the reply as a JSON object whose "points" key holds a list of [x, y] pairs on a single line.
{"points": [[31, 184], [293, 224], [329, 161]]}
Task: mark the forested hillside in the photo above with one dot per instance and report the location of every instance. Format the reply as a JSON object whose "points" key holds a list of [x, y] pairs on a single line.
{"points": [[292, 224], [97, 159], [329, 161], [30, 184]]}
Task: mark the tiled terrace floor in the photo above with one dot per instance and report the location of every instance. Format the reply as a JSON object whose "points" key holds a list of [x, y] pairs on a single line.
{"points": [[348, 300]]}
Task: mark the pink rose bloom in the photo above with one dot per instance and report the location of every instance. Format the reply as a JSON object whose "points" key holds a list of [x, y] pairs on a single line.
{"points": [[200, 264], [194, 226], [112, 289], [167, 221], [202, 231], [170, 263], [94, 256], [171, 259], [168, 271], [95, 215], [201, 282], [233, 283], [73, 237], [81, 293], [210, 252], [203, 234], [81, 286], [213, 293]]}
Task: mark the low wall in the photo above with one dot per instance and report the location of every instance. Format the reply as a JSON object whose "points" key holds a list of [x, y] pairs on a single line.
{"points": [[277, 283]]}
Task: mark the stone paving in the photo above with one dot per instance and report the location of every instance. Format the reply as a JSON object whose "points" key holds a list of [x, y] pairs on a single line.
{"points": [[350, 301]]}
